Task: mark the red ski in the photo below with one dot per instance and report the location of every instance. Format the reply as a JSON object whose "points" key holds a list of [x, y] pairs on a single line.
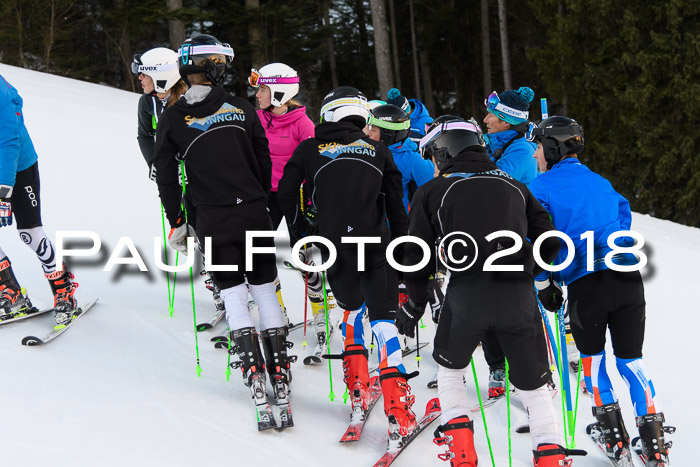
{"points": [[396, 446], [358, 417]]}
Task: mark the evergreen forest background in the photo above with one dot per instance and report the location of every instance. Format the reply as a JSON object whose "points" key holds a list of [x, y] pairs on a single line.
{"points": [[629, 71]]}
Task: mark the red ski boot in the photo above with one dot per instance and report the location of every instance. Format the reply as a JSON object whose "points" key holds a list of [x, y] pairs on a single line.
{"points": [[551, 455], [398, 401], [356, 375], [458, 435], [63, 289]]}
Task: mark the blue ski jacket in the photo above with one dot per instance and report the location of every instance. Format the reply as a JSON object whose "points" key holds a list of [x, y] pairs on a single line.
{"points": [[419, 119], [412, 166], [517, 160], [580, 200], [16, 149]]}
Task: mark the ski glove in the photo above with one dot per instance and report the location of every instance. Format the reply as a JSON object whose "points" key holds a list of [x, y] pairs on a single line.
{"points": [[550, 294], [306, 225], [5, 213], [436, 300], [408, 316], [178, 237], [152, 172]]}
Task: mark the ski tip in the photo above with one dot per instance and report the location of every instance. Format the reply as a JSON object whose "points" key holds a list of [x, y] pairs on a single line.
{"points": [[432, 405], [204, 327], [31, 341], [523, 429], [219, 339], [312, 360]]}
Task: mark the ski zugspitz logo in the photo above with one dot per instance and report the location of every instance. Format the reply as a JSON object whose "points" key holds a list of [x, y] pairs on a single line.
{"points": [[226, 113]]}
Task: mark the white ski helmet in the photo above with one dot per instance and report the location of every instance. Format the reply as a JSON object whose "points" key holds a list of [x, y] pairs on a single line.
{"points": [[282, 80], [345, 102], [160, 64]]}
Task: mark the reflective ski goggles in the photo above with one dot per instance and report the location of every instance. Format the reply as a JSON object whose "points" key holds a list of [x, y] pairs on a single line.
{"points": [[534, 132], [256, 79], [493, 102], [135, 63], [396, 126], [188, 52], [448, 126]]}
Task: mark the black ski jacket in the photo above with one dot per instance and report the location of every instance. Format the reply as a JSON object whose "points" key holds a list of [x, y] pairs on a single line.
{"points": [[472, 195], [225, 150], [351, 181]]}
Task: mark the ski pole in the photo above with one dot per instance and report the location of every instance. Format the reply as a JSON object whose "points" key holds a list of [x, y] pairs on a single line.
{"points": [[548, 327], [228, 359], [171, 309], [578, 391], [543, 107], [510, 441], [565, 371], [306, 303], [194, 310], [331, 395], [418, 357], [562, 385], [483, 414]]}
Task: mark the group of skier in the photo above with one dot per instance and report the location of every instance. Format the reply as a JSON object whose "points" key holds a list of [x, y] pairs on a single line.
{"points": [[384, 170], [454, 179]]}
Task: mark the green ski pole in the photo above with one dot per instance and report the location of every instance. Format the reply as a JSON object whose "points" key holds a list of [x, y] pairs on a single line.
{"points": [[331, 396], [483, 414]]}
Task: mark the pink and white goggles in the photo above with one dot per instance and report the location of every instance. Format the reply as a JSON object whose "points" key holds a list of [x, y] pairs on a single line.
{"points": [[447, 126], [256, 79]]}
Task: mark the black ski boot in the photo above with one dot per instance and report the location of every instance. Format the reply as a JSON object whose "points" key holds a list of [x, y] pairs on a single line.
{"points": [[278, 362], [610, 434], [13, 301], [251, 363], [650, 445]]}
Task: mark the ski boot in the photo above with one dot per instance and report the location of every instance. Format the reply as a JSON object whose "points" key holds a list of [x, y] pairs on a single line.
{"points": [[252, 365], [610, 434], [397, 404], [14, 301], [211, 287], [275, 346], [63, 289], [650, 445], [550, 455], [356, 377], [497, 383], [458, 435]]}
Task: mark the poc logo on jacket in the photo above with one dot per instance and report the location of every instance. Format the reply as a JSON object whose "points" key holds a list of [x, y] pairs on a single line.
{"points": [[226, 113]]}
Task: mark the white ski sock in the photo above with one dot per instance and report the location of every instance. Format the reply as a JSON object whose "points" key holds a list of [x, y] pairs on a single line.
{"points": [[544, 423], [236, 303], [36, 239], [452, 393], [269, 308]]}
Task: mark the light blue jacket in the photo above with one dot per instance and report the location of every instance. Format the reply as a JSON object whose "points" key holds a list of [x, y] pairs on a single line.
{"points": [[517, 160], [579, 200], [411, 165], [419, 119], [16, 149]]}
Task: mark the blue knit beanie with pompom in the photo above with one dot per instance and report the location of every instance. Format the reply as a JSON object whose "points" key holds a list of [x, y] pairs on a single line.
{"points": [[519, 100], [394, 97]]}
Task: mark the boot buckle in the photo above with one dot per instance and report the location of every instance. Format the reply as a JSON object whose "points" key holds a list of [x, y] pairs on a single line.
{"points": [[446, 456]]}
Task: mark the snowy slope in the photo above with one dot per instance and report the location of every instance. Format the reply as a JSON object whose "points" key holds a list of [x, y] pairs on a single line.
{"points": [[121, 388]]}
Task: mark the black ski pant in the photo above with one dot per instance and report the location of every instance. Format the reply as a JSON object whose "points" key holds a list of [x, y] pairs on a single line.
{"points": [[273, 207], [606, 300], [504, 303], [25, 200], [227, 226], [377, 286]]}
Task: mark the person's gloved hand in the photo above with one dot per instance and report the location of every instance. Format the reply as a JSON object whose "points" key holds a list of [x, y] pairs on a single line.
{"points": [[5, 213], [178, 237], [550, 294], [152, 172], [408, 316], [307, 224], [436, 300]]}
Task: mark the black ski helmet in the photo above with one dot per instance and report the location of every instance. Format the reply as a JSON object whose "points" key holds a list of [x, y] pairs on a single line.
{"points": [[394, 123], [558, 136], [345, 103], [448, 135], [204, 54]]}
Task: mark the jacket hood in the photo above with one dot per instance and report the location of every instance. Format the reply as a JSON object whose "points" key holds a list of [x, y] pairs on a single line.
{"points": [[270, 120], [404, 146], [495, 141], [469, 161], [419, 109], [340, 132], [207, 106]]}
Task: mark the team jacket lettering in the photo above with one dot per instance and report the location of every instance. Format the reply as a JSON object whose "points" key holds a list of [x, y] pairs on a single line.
{"points": [[224, 147], [351, 180]]}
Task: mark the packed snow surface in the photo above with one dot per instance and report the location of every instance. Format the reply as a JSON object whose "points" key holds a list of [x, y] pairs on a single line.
{"points": [[120, 388]]}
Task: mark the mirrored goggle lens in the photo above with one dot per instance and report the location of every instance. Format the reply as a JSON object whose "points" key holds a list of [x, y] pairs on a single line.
{"points": [[530, 135], [254, 78], [492, 100], [135, 64]]}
